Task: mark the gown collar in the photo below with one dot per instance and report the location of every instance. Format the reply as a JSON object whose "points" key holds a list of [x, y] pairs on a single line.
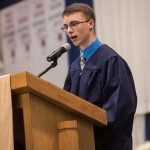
{"points": [[89, 51]]}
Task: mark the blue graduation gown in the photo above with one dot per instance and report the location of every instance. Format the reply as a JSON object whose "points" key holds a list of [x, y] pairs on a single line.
{"points": [[107, 82]]}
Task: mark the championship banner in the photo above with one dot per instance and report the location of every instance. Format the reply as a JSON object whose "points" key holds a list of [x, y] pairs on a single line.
{"points": [[31, 31]]}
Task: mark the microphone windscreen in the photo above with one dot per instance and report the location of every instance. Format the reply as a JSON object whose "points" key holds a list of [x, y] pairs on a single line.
{"points": [[67, 46]]}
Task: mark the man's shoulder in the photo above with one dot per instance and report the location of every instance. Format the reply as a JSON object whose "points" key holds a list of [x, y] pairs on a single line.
{"points": [[103, 53], [105, 50]]}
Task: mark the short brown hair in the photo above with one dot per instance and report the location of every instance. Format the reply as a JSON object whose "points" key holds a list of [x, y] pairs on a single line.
{"points": [[85, 9]]}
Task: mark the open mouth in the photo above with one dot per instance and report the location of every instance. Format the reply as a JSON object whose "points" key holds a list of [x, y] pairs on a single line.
{"points": [[73, 37]]}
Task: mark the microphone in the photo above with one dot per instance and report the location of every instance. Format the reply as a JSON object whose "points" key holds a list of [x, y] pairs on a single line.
{"points": [[56, 54]]}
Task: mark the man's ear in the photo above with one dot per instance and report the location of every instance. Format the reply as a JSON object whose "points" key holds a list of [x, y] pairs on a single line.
{"points": [[91, 24]]}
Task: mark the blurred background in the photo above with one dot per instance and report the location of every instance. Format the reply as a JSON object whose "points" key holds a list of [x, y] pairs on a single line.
{"points": [[30, 31]]}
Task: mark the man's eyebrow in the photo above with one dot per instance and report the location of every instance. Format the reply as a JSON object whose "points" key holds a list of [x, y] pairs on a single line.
{"points": [[72, 22]]}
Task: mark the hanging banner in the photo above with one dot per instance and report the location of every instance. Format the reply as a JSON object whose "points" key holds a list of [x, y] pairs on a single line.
{"points": [[30, 31]]}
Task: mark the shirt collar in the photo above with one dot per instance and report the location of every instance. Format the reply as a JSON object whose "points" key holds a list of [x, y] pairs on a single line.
{"points": [[90, 49]]}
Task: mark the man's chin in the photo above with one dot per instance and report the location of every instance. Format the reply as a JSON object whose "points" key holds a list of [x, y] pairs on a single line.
{"points": [[75, 43]]}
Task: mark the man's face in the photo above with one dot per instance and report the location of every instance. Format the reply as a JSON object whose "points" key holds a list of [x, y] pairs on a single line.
{"points": [[79, 33]]}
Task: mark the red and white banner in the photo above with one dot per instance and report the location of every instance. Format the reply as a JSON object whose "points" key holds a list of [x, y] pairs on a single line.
{"points": [[30, 31]]}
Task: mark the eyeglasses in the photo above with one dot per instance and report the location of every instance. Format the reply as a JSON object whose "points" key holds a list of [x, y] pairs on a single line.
{"points": [[72, 25]]}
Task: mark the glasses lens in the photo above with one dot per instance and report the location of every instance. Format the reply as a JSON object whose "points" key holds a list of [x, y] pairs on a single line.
{"points": [[64, 28], [73, 24]]}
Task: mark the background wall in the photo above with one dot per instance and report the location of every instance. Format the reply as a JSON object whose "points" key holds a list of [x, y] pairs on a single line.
{"points": [[30, 31]]}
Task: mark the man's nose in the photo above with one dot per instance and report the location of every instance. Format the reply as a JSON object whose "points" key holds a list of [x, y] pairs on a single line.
{"points": [[69, 29]]}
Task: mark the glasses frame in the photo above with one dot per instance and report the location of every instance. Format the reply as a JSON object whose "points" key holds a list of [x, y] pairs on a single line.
{"points": [[72, 26]]}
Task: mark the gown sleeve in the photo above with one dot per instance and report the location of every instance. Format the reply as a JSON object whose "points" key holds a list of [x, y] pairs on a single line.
{"points": [[67, 83], [118, 92]]}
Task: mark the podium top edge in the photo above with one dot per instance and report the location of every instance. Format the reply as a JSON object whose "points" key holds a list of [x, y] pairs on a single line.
{"points": [[26, 82]]}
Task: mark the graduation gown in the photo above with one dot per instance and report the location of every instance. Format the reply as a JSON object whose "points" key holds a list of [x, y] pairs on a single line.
{"points": [[107, 82]]}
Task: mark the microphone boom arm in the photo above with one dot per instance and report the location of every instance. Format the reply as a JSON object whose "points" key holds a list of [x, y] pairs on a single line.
{"points": [[53, 64], [54, 57]]}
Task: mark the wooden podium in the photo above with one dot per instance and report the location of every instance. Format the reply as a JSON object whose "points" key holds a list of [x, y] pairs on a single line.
{"points": [[46, 117]]}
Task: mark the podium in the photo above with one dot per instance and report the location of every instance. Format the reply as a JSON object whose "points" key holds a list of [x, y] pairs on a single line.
{"points": [[46, 117]]}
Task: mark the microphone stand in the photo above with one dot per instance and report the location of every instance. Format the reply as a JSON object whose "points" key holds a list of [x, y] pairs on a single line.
{"points": [[53, 64]]}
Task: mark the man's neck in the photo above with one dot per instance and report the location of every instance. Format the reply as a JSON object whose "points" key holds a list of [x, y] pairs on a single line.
{"points": [[91, 40]]}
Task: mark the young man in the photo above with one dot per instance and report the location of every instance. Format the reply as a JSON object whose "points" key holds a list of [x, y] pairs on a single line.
{"points": [[105, 80]]}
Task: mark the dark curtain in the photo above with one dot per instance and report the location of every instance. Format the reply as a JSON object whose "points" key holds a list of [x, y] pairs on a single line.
{"points": [[6, 3]]}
